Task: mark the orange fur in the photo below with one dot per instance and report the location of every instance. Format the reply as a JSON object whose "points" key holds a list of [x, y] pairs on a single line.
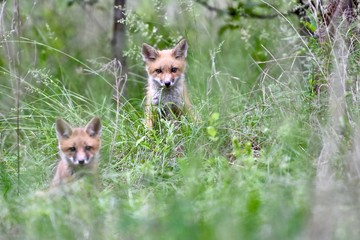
{"points": [[166, 86], [79, 150]]}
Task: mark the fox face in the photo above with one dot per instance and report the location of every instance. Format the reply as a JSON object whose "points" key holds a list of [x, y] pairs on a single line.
{"points": [[166, 67], [79, 146]]}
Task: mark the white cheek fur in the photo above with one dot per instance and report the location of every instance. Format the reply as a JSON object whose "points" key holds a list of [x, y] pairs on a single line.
{"points": [[157, 81], [176, 79]]}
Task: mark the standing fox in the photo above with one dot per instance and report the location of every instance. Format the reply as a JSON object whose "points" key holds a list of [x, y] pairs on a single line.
{"points": [[166, 81], [78, 148]]}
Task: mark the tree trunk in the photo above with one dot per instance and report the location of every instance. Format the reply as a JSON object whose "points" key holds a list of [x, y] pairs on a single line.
{"points": [[118, 45], [333, 11]]}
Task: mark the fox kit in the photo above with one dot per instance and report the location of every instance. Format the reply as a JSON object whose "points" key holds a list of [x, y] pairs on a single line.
{"points": [[78, 148], [166, 81]]}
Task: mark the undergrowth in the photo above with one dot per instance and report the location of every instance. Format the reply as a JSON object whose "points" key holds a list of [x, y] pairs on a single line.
{"points": [[245, 168]]}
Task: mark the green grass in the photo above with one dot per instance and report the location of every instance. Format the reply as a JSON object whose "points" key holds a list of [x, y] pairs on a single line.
{"points": [[247, 168]]}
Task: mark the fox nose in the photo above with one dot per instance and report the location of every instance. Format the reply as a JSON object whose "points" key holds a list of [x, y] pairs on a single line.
{"points": [[167, 84], [81, 161]]}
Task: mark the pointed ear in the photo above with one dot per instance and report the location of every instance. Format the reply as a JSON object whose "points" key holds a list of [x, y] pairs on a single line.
{"points": [[149, 53], [93, 128], [180, 50], [63, 129]]}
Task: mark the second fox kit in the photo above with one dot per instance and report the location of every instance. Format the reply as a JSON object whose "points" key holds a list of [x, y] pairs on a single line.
{"points": [[166, 81], [78, 148]]}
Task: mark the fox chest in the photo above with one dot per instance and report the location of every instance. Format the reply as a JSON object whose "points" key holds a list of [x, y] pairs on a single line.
{"points": [[169, 100]]}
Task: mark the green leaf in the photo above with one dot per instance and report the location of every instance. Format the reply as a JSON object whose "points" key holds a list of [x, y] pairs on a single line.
{"points": [[211, 131], [215, 116]]}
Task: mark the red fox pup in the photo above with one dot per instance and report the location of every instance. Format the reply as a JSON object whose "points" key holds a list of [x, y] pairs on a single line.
{"points": [[78, 148], [166, 81]]}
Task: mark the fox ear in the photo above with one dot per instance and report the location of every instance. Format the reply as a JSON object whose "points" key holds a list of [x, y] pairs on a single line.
{"points": [[180, 50], [63, 129], [93, 128], [149, 53]]}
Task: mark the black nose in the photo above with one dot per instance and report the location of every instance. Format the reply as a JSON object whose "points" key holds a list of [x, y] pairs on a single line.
{"points": [[81, 161], [167, 84]]}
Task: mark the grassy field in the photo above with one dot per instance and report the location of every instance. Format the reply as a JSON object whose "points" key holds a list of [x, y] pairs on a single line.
{"points": [[273, 153]]}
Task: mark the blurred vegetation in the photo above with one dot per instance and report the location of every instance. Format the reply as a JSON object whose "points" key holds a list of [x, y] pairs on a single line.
{"points": [[246, 169]]}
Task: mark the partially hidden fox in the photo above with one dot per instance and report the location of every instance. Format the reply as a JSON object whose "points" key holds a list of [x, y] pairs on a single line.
{"points": [[79, 150], [166, 86]]}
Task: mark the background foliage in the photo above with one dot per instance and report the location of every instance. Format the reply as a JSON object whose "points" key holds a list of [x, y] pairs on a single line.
{"points": [[273, 153]]}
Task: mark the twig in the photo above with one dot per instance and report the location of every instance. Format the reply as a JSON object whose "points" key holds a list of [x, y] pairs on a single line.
{"points": [[116, 69]]}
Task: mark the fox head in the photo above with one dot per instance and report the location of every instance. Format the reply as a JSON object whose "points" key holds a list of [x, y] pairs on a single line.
{"points": [[165, 67], [79, 146]]}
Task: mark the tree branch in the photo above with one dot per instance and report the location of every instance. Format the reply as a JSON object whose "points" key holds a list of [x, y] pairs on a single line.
{"points": [[211, 8], [298, 11]]}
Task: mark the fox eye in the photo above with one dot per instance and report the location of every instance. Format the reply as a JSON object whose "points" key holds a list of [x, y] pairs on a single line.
{"points": [[174, 69], [72, 149], [88, 148], [158, 70]]}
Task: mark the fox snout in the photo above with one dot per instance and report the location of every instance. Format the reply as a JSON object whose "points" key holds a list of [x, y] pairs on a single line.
{"points": [[167, 83], [169, 80], [81, 158]]}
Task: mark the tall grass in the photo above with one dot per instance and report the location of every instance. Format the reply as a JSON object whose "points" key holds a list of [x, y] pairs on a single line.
{"points": [[247, 168]]}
